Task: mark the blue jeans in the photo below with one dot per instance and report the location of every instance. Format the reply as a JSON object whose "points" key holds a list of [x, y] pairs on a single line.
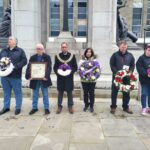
{"points": [[36, 95], [8, 84], [145, 92]]}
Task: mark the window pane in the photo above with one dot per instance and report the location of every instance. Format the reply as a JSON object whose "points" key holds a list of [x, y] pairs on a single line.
{"points": [[81, 33], [54, 17], [82, 16], [82, 4], [54, 33], [136, 22], [147, 34], [137, 10]]}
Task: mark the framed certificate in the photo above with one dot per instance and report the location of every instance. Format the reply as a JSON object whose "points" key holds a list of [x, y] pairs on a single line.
{"points": [[38, 70]]}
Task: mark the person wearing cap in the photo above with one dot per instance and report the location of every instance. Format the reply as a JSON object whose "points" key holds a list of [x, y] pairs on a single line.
{"points": [[13, 80], [143, 68], [121, 59], [44, 83]]}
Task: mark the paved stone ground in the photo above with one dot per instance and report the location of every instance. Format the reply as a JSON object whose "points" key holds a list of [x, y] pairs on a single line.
{"points": [[80, 131]]}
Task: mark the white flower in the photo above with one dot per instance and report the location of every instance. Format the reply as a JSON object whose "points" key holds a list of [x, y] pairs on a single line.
{"points": [[90, 64], [82, 68], [97, 70], [93, 78], [5, 60], [133, 83], [128, 87]]}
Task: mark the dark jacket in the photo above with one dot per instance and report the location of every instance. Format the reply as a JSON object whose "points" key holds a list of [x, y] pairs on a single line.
{"points": [[18, 58], [65, 83], [45, 58], [118, 60], [142, 64]]}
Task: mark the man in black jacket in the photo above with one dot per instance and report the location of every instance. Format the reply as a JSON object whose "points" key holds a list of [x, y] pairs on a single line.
{"points": [[65, 83], [43, 83], [13, 80], [143, 68], [121, 59]]}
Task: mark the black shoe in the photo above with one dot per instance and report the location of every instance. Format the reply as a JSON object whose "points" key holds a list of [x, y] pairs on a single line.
{"points": [[85, 108], [91, 109], [33, 111], [3, 111], [17, 111], [47, 111]]}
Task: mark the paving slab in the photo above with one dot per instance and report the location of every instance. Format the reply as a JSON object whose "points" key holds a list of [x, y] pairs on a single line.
{"points": [[20, 126], [57, 123], [123, 143], [86, 132], [146, 140], [117, 127], [102, 146], [51, 141], [15, 143], [141, 124]]}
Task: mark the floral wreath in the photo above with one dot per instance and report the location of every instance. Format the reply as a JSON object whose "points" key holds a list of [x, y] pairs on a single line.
{"points": [[89, 70], [6, 66], [125, 80]]}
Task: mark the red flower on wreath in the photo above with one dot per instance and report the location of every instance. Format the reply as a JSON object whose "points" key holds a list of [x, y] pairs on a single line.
{"points": [[118, 79], [132, 77]]}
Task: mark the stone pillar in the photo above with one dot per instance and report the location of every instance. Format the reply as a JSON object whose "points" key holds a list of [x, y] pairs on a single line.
{"points": [[102, 30], [26, 23], [44, 21]]}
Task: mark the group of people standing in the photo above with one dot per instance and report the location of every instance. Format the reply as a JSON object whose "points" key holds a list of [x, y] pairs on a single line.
{"points": [[120, 59]]}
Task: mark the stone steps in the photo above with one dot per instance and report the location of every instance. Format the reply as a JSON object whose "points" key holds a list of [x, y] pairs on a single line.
{"points": [[78, 93]]}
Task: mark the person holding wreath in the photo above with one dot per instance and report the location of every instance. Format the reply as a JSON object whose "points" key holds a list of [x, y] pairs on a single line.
{"points": [[43, 82], [89, 71], [143, 68], [65, 66], [120, 60], [13, 81]]}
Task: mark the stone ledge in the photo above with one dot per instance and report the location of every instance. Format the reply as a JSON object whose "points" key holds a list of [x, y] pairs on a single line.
{"points": [[99, 93]]}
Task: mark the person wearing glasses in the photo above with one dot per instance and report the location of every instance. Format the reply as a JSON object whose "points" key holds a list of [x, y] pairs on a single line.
{"points": [[43, 83], [65, 66]]}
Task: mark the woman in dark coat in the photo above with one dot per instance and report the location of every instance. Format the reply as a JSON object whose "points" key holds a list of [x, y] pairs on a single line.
{"points": [[143, 68], [88, 79]]}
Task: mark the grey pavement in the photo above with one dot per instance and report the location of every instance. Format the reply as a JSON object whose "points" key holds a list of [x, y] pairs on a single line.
{"points": [[81, 131]]}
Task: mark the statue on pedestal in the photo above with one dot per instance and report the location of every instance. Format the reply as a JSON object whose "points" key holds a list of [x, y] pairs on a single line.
{"points": [[122, 27], [5, 24]]}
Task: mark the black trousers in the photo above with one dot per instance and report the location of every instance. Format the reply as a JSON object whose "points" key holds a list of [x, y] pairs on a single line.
{"points": [[60, 98], [89, 93], [125, 100]]}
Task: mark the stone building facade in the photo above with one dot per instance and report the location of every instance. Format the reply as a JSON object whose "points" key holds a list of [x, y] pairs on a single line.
{"points": [[92, 23]]}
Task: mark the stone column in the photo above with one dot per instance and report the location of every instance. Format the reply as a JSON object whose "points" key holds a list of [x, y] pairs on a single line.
{"points": [[102, 30], [26, 23], [44, 21]]}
